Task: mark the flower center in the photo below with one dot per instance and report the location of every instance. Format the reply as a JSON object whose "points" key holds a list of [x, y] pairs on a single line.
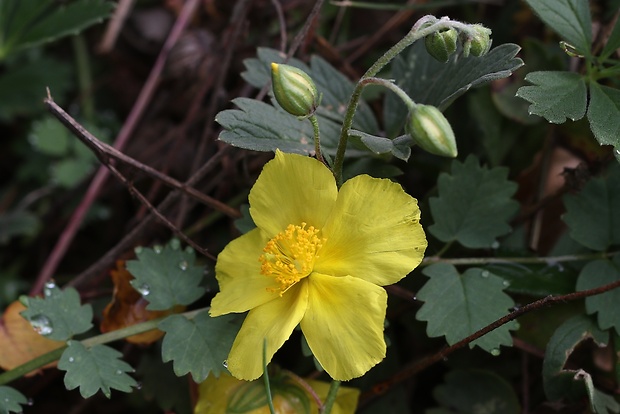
{"points": [[290, 255]]}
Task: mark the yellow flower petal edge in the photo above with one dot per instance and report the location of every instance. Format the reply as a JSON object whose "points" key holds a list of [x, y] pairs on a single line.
{"points": [[273, 321], [373, 233], [318, 258], [292, 189], [344, 324]]}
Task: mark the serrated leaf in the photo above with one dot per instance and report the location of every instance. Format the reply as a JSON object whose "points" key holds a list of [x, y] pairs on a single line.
{"points": [[59, 315], [557, 381], [604, 115], [536, 280], [474, 204], [50, 137], [96, 368], [613, 42], [198, 346], [555, 95], [167, 276], [593, 215], [439, 84], [600, 402], [60, 21], [333, 85], [605, 305], [11, 400], [457, 305], [569, 18], [476, 391]]}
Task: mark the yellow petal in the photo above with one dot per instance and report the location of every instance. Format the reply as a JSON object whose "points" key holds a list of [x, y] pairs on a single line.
{"points": [[292, 189], [344, 324], [373, 232], [273, 321], [242, 286]]}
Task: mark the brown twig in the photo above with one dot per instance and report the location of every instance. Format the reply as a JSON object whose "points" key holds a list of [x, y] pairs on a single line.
{"points": [[59, 250], [106, 152], [418, 366]]}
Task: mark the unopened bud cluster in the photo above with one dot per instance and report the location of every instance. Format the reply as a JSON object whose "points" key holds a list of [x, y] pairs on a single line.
{"points": [[442, 44]]}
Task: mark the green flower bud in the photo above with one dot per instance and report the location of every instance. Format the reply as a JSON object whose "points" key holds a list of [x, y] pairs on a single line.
{"points": [[442, 44], [431, 131], [479, 43], [294, 90]]}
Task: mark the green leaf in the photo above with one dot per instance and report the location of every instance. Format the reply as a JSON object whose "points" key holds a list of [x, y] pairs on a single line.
{"points": [[22, 87], [400, 147], [458, 305], [474, 204], [245, 223], [333, 85], [58, 21], [605, 305], [69, 172], [94, 369], [604, 115], [600, 402], [11, 400], [557, 381], [50, 137], [555, 95], [199, 346], [613, 42], [433, 83], [167, 276], [476, 391], [59, 315], [569, 18], [159, 383], [536, 280], [593, 215]]}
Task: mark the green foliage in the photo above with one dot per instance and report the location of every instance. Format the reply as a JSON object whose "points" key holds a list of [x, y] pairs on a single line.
{"points": [[560, 95], [476, 391], [59, 315], [159, 383], [166, 276], [430, 82], [605, 305], [198, 346], [11, 400], [29, 23], [569, 18], [474, 204], [457, 305], [399, 147], [18, 223], [556, 95], [572, 384], [593, 215], [96, 368], [536, 280]]}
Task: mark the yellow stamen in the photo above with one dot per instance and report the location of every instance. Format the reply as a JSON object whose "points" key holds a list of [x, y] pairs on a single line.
{"points": [[290, 255]]}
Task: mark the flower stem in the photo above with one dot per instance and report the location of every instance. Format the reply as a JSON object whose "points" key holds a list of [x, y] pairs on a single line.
{"points": [[317, 137], [394, 88], [272, 410], [52, 356], [469, 261], [423, 27], [331, 397]]}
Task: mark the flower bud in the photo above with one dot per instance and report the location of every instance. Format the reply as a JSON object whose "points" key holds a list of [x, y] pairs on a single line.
{"points": [[294, 90], [441, 44], [431, 131], [478, 43]]}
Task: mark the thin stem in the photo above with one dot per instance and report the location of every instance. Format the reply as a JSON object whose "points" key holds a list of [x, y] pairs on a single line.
{"points": [[266, 379], [85, 80], [394, 88], [105, 338], [469, 261], [443, 250], [331, 397], [317, 137], [423, 27]]}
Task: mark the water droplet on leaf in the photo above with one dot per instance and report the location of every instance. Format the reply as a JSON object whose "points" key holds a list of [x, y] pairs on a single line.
{"points": [[183, 265], [119, 372], [495, 245], [189, 250], [138, 250], [30, 402], [495, 352], [157, 249], [48, 289], [41, 324], [71, 359], [485, 273], [506, 283], [225, 364], [144, 289], [175, 244]]}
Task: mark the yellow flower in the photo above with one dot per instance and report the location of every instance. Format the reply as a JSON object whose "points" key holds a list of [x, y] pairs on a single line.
{"points": [[229, 395], [317, 258]]}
